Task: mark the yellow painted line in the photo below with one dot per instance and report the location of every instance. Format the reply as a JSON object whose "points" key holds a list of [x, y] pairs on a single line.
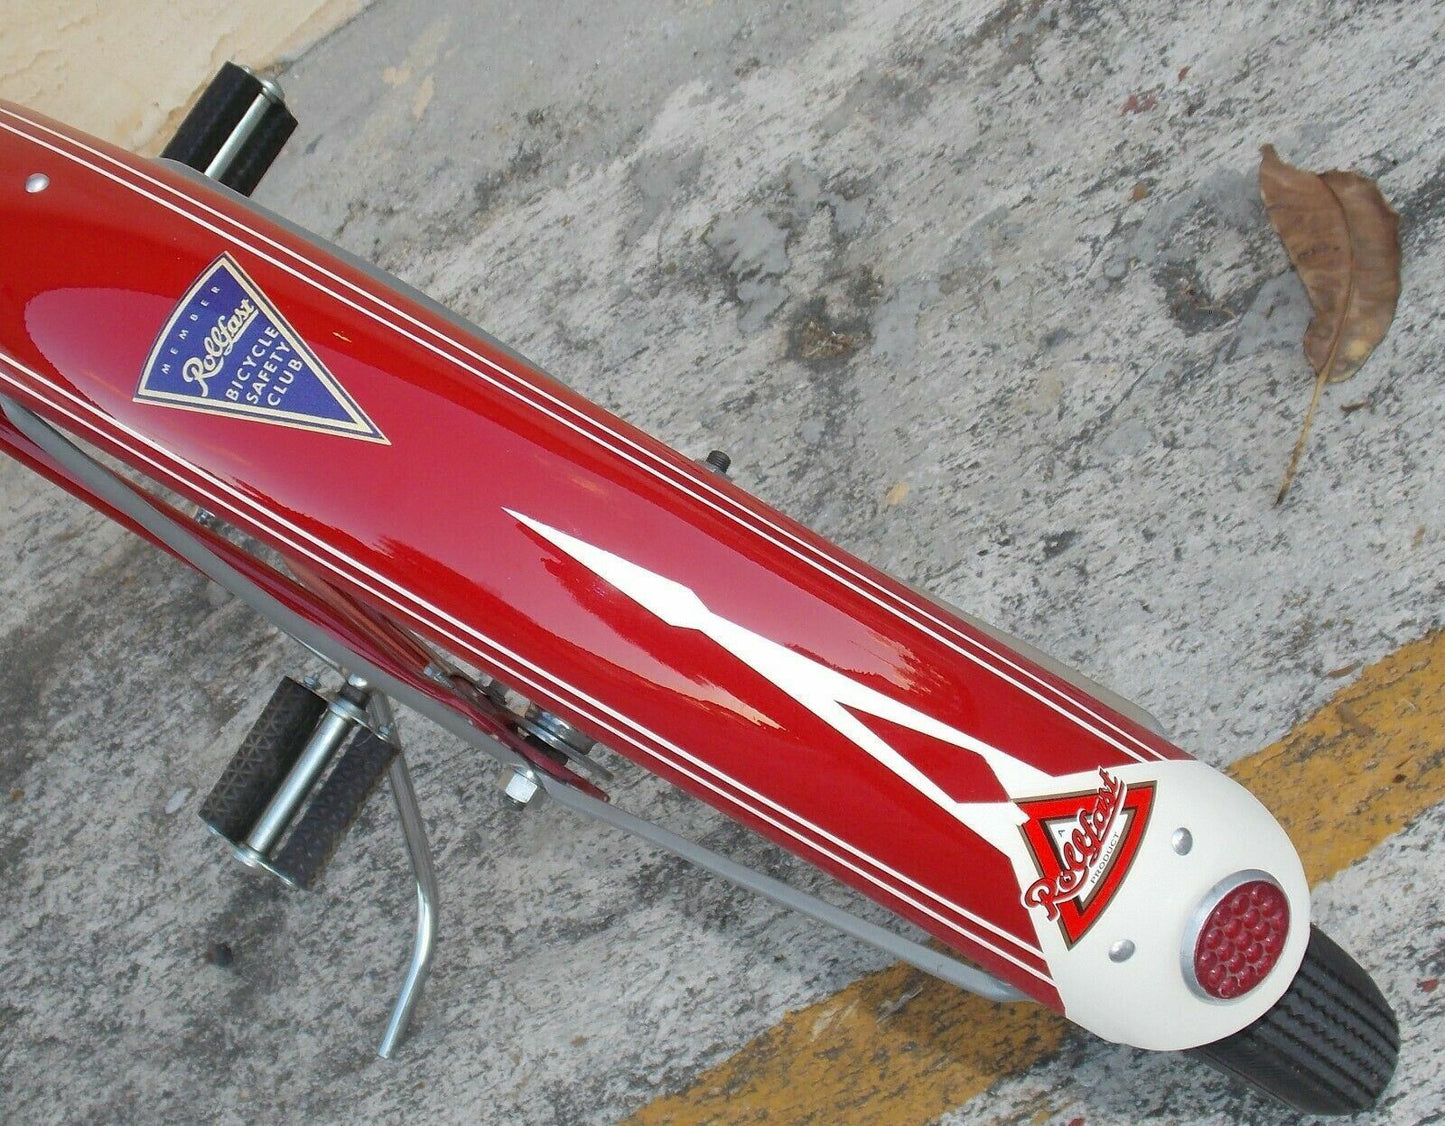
{"points": [[901, 1047]]}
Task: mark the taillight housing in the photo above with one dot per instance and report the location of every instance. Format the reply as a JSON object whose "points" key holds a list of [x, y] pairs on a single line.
{"points": [[1237, 936]]}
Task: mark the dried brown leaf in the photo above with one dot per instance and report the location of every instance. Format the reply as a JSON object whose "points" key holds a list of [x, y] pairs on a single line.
{"points": [[1343, 240]]}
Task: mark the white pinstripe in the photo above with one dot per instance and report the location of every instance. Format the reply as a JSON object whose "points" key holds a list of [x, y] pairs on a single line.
{"points": [[644, 459], [497, 656], [654, 465]]}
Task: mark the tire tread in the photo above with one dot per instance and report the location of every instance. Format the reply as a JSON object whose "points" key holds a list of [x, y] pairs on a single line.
{"points": [[1328, 1046]]}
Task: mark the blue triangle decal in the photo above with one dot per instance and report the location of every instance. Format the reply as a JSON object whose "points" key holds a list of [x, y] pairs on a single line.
{"points": [[226, 350]]}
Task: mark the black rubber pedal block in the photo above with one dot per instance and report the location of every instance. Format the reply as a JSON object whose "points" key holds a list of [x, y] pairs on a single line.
{"points": [[267, 754], [333, 809], [261, 151], [215, 116]]}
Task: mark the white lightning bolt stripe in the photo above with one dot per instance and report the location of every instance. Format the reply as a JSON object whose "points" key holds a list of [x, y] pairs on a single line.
{"points": [[825, 692], [596, 714], [1058, 698]]}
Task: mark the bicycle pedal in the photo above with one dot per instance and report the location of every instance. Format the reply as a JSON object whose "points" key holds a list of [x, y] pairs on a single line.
{"points": [[300, 780], [297, 786], [333, 809], [266, 756], [235, 131]]}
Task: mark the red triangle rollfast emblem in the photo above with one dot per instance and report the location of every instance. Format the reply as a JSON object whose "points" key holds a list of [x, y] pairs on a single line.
{"points": [[1083, 845]]}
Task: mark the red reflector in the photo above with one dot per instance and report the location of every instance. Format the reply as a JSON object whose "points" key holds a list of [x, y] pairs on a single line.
{"points": [[1241, 939]]}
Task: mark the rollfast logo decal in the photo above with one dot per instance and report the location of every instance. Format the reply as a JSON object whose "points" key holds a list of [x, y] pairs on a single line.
{"points": [[227, 350], [1080, 844], [1083, 845], [219, 343]]}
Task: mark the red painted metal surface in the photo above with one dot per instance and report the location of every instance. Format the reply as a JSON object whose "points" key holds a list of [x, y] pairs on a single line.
{"points": [[417, 530]]}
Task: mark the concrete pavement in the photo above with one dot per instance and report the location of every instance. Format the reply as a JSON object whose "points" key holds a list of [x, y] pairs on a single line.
{"points": [[1008, 255]]}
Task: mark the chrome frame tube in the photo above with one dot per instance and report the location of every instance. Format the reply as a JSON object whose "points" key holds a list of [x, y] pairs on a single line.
{"points": [[926, 958]]}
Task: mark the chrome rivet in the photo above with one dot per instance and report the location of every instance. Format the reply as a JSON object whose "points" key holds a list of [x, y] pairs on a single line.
{"points": [[1121, 951], [1183, 841], [36, 182]]}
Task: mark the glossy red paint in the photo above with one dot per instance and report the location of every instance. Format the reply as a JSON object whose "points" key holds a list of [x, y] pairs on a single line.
{"points": [[416, 531]]}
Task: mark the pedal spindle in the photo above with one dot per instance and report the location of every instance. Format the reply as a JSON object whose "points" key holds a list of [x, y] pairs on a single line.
{"points": [[333, 809], [300, 780], [235, 131]]}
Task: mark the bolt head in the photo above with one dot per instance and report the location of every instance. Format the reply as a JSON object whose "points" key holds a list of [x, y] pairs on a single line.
{"points": [[1121, 951], [519, 789], [1182, 841], [36, 182]]}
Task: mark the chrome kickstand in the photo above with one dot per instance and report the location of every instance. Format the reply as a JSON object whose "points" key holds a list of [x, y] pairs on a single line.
{"points": [[419, 852]]}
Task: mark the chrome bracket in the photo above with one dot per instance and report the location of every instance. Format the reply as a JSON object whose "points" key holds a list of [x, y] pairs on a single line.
{"points": [[418, 851]]}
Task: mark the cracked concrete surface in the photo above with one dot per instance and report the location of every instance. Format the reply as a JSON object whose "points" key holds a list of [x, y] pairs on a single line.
{"points": [[1009, 254]]}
